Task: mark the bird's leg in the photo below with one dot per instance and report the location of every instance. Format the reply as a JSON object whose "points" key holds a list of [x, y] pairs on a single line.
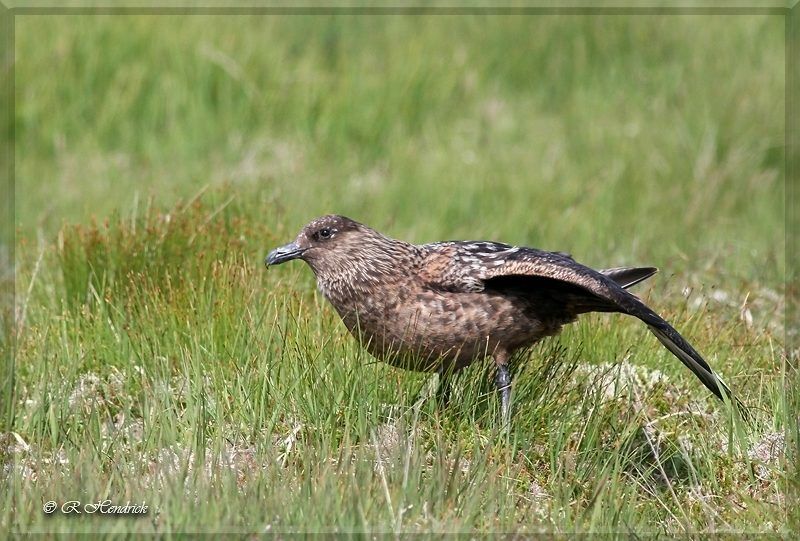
{"points": [[444, 388], [502, 380]]}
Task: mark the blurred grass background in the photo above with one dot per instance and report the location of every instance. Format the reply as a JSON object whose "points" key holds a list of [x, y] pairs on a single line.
{"points": [[573, 129], [158, 158]]}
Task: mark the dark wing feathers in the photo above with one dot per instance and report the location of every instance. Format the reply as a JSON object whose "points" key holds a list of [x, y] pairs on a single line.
{"points": [[475, 266]]}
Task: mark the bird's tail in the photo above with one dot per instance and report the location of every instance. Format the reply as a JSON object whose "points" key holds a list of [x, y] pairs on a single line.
{"points": [[626, 277]]}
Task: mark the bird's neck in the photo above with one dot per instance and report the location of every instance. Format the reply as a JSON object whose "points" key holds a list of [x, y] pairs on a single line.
{"points": [[368, 270]]}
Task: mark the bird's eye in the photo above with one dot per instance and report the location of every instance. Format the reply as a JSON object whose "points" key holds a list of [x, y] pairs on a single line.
{"points": [[325, 233]]}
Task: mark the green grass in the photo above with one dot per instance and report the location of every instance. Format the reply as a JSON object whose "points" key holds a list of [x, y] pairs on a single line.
{"points": [[159, 158]]}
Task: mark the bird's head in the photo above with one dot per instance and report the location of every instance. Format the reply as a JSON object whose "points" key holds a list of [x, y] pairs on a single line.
{"points": [[321, 243], [345, 255]]}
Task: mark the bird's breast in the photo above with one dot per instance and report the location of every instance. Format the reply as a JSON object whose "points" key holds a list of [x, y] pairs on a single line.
{"points": [[419, 328]]}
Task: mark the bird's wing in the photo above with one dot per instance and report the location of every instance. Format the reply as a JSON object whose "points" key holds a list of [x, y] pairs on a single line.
{"points": [[457, 266], [479, 266], [470, 266]]}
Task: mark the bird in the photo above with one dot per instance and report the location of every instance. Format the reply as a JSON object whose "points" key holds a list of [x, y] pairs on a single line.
{"points": [[439, 307]]}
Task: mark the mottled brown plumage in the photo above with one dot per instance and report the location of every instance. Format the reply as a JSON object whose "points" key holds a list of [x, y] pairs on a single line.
{"points": [[440, 306]]}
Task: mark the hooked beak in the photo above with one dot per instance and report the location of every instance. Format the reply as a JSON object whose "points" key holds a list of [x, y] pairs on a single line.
{"points": [[284, 254]]}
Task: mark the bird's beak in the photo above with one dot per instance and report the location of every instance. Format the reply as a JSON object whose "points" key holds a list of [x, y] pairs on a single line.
{"points": [[284, 254]]}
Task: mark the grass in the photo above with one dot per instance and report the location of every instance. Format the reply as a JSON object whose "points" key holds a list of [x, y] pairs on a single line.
{"points": [[159, 158]]}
